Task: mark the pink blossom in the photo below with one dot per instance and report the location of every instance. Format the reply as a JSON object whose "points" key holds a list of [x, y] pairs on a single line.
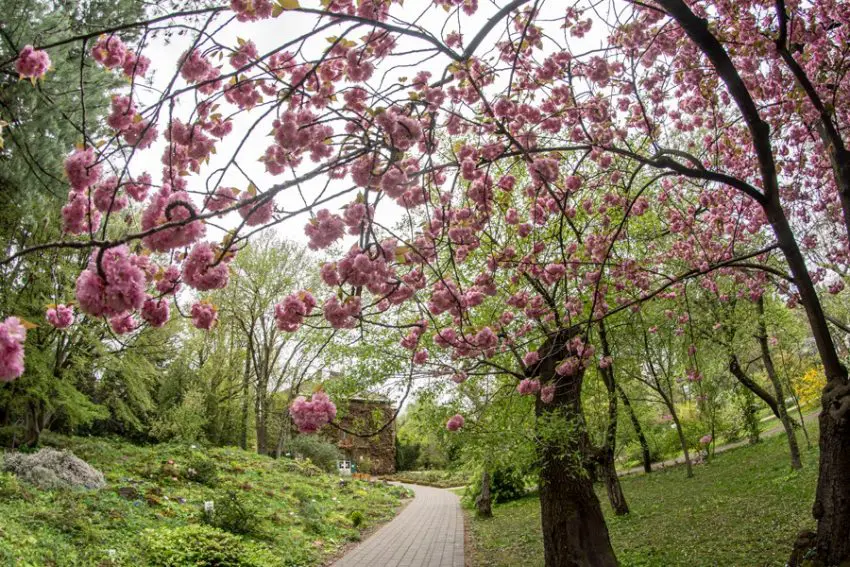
{"points": [[311, 416], [203, 269], [342, 315], [245, 55], [78, 216], [106, 197], [459, 377], [121, 289], [455, 422], [528, 386], [169, 280], [12, 336], [135, 66], [61, 316], [324, 230], [290, 313], [32, 63], [531, 358], [706, 439], [138, 189], [256, 213], [420, 357], [122, 323], [171, 208], [222, 198], [82, 169], [109, 51], [204, 315], [155, 311], [547, 393], [251, 10]]}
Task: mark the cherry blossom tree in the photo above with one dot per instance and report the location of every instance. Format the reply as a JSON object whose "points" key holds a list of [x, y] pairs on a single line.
{"points": [[537, 184]]}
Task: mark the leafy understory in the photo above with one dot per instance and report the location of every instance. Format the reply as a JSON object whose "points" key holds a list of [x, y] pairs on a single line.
{"points": [[152, 511]]}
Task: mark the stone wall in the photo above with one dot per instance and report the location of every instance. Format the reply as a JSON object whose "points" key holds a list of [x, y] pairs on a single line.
{"points": [[364, 416]]}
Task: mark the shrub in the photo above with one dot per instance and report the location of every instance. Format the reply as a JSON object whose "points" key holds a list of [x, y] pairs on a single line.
{"points": [[321, 453], [233, 514], [356, 518], [49, 469], [202, 470], [506, 484], [313, 515], [201, 546]]}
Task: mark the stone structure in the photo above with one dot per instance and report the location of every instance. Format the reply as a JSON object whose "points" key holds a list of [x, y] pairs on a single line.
{"points": [[375, 453]]}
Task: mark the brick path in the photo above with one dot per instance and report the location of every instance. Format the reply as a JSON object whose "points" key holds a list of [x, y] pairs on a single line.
{"points": [[427, 533]]}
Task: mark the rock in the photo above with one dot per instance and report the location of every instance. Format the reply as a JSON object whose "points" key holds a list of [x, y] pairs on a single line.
{"points": [[50, 469]]}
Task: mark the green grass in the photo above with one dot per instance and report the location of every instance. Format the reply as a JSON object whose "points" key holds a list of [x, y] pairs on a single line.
{"points": [[298, 516], [438, 478], [743, 509]]}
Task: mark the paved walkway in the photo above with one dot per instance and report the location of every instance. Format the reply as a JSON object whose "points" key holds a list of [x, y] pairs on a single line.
{"points": [[427, 533]]}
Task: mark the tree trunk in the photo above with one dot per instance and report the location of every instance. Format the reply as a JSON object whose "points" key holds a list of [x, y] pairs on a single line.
{"points": [[682, 440], [260, 410], [751, 385], [574, 530], [607, 466], [794, 449], [483, 504], [246, 401], [644, 445], [751, 421]]}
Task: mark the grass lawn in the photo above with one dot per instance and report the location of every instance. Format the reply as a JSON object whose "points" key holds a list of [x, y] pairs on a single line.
{"points": [[287, 513], [438, 478], [742, 509]]}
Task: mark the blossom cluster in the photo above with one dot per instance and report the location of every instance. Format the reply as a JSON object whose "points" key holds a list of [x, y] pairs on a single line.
{"points": [[310, 416]]}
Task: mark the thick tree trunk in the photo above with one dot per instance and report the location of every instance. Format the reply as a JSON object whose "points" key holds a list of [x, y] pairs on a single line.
{"points": [[644, 444], [794, 449], [574, 530], [484, 502]]}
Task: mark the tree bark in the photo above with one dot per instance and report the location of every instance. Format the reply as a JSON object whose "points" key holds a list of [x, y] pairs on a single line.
{"points": [[644, 444], [484, 501], [246, 400], [608, 469], [751, 385], [682, 440], [794, 449], [574, 529]]}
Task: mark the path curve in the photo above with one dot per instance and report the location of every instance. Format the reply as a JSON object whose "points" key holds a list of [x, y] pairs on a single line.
{"points": [[427, 533]]}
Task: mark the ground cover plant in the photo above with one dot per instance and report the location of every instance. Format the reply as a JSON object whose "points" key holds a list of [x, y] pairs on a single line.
{"points": [[263, 511]]}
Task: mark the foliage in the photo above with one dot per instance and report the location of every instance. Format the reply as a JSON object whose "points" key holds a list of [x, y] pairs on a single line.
{"points": [[809, 386], [203, 546], [321, 453], [749, 488], [68, 528], [234, 514], [431, 477]]}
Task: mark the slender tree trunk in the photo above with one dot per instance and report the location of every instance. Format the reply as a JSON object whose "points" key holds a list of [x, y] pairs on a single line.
{"points": [[751, 385], [607, 465], [644, 445], [574, 529], [246, 400], [682, 439], [484, 501], [260, 407], [794, 449], [751, 421]]}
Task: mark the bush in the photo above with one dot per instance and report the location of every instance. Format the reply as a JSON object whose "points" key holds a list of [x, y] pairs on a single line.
{"points": [[356, 518], [321, 453], [49, 469], [232, 514], [202, 470], [506, 484], [201, 546]]}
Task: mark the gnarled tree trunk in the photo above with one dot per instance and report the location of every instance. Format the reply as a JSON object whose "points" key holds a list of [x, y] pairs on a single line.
{"points": [[574, 530]]}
